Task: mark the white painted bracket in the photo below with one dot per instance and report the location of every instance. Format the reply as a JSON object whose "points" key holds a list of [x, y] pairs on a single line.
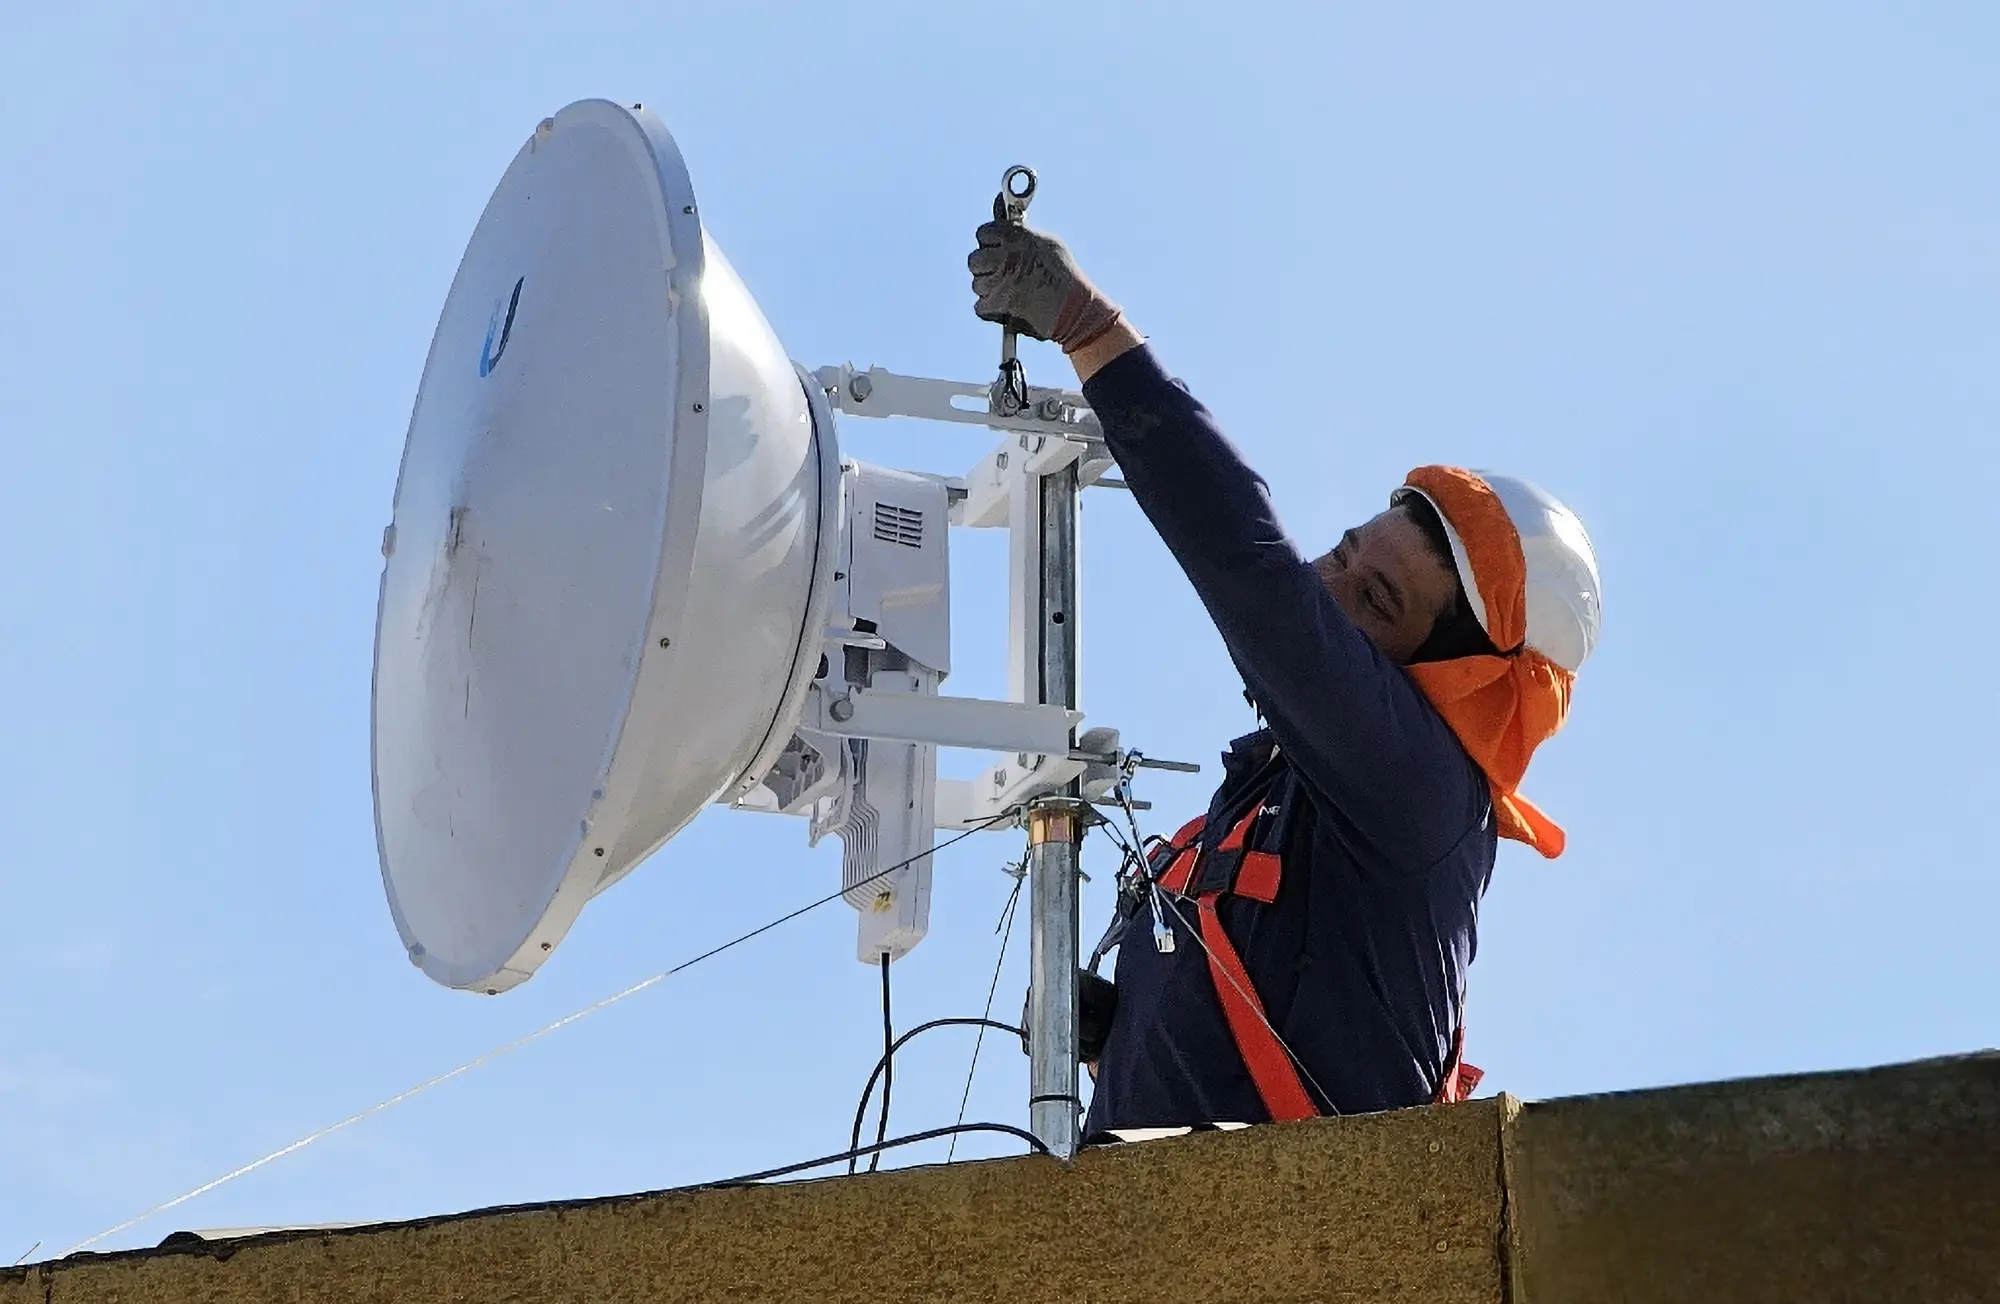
{"points": [[879, 393], [1056, 428], [969, 803], [1016, 459], [968, 722]]}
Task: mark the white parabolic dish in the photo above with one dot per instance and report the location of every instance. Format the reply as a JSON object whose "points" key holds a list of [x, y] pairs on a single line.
{"points": [[608, 561]]}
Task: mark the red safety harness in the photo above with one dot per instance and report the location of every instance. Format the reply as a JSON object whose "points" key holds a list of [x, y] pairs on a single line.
{"points": [[1249, 862]]}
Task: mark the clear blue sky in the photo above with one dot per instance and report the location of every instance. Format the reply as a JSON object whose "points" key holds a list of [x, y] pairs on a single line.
{"points": [[1726, 281]]}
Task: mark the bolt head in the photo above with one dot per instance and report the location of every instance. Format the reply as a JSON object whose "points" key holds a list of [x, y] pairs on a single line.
{"points": [[860, 387], [842, 709]]}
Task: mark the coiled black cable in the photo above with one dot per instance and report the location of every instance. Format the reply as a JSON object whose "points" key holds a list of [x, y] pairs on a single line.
{"points": [[856, 1150]]}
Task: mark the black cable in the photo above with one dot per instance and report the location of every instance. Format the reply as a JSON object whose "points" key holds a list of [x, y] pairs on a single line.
{"points": [[867, 1092], [1006, 1129], [888, 1070]]}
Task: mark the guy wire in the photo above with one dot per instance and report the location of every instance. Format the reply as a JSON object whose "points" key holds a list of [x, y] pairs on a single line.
{"points": [[519, 1042], [1006, 931]]}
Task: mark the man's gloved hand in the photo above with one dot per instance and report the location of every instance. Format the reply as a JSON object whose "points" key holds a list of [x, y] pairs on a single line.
{"points": [[1096, 1006], [1029, 281]]}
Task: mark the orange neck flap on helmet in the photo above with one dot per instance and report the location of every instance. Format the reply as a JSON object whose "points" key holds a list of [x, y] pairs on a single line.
{"points": [[1501, 707]]}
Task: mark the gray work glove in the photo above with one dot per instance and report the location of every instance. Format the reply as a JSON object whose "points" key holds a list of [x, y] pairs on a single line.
{"points": [[1029, 281]]}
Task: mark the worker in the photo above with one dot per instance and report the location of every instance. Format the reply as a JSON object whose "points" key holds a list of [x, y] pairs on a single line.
{"points": [[1301, 950]]}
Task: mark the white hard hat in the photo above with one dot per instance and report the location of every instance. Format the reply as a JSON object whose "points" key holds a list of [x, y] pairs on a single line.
{"points": [[1563, 594]]}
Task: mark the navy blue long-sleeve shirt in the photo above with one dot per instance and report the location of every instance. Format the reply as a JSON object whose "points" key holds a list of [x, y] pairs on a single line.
{"points": [[1360, 961]]}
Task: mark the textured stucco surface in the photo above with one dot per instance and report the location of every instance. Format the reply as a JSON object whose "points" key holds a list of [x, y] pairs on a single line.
{"points": [[1390, 1207], [1881, 1185], [1875, 1185]]}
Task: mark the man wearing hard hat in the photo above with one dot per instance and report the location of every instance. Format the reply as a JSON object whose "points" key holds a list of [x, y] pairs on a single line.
{"points": [[1310, 935]]}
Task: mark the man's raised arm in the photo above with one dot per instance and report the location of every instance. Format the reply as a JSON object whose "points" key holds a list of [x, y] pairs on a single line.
{"points": [[1353, 722]]}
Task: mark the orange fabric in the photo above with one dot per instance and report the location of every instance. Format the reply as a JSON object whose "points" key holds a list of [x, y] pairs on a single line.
{"points": [[1501, 707], [1184, 851], [1234, 842], [1259, 875], [1270, 1064], [1460, 1079]]}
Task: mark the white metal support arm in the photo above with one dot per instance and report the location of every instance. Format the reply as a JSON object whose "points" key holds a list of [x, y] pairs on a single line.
{"points": [[942, 721], [879, 393]]}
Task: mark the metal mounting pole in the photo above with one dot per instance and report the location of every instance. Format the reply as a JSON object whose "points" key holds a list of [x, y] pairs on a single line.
{"points": [[1043, 584], [1055, 837]]}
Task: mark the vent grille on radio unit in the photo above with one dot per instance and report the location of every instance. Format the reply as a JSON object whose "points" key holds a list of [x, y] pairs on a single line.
{"points": [[904, 525]]}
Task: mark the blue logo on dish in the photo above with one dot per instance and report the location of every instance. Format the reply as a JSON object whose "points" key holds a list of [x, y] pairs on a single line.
{"points": [[489, 356]]}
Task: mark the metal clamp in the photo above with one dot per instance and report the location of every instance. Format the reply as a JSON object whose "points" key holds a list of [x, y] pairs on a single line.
{"points": [[1055, 819]]}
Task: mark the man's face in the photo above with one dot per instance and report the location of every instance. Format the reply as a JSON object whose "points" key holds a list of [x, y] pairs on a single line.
{"points": [[1389, 582]]}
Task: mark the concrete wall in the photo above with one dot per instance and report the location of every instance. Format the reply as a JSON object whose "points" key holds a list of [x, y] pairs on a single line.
{"points": [[1878, 1185]]}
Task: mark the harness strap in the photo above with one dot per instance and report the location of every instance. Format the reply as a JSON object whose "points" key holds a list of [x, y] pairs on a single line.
{"points": [[1257, 876], [1181, 855], [1272, 1071], [1271, 1068]]}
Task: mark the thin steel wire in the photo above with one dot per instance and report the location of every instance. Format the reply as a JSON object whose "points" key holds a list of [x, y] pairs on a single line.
{"points": [[1217, 967], [1006, 930], [519, 1042]]}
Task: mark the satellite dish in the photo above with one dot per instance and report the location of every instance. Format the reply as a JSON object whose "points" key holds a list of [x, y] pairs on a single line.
{"points": [[610, 559], [628, 575]]}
